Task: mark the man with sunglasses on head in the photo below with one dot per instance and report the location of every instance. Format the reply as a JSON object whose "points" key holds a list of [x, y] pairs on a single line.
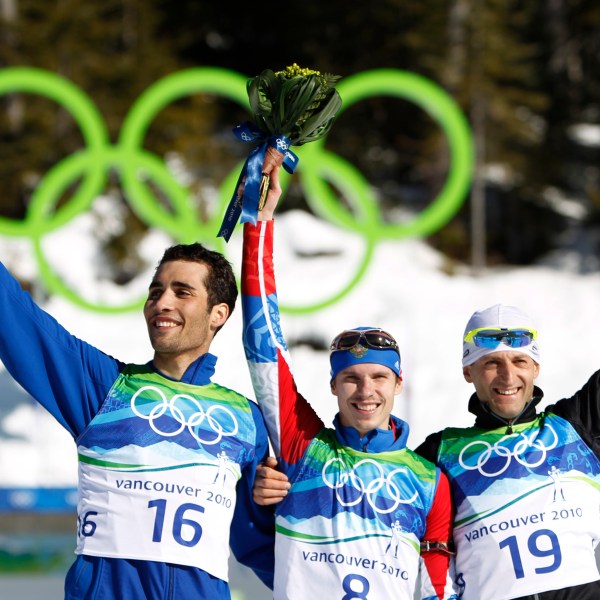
{"points": [[364, 517], [526, 484]]}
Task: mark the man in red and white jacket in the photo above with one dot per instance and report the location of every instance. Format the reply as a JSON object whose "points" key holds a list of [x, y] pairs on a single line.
{"points": [[365, 517]]}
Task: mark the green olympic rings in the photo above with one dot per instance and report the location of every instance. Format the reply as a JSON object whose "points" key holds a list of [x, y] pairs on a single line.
{"points": [[318, 166], [137, 167], [431, 98]]}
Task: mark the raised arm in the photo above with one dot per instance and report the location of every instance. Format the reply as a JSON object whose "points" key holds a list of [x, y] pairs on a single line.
{"points": [[583, 410], [67, 376], [291, 422]]}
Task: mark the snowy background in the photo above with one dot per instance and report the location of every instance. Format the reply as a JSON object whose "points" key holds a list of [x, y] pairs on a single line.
{"points": [[408, 290]]}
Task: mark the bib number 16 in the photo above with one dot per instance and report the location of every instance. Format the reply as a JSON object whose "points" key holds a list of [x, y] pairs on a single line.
{"points": [[181, 519], [186, 531]]}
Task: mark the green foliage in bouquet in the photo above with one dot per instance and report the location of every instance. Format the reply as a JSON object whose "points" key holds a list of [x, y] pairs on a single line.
{"points": [[298, 103]]}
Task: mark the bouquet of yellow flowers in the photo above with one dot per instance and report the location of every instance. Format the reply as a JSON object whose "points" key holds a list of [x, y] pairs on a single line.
{"points": [[289, 108], [299, 103]]}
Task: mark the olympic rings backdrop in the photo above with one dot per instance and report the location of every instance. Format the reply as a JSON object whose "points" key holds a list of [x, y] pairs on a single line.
{"points": [[318, 170]]}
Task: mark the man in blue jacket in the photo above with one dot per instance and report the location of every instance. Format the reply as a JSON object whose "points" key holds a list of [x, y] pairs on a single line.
{"points": [[166, 457]]}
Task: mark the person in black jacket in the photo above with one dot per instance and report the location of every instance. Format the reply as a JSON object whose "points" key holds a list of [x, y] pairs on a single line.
{"points": [[525, 483]]}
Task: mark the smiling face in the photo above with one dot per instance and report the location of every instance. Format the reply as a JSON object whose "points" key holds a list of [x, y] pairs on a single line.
{"points": [[504, 381], [180, 324], [365, 394]]}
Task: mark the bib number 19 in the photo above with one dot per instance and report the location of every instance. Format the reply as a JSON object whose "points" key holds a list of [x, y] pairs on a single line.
{"points": [[538, 546]]}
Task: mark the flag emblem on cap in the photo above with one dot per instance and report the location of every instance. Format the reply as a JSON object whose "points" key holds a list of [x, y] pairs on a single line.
{"points": [[358, 351]]}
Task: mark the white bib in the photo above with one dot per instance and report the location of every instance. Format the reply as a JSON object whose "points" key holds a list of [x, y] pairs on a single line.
{"points": [[176, 516]]}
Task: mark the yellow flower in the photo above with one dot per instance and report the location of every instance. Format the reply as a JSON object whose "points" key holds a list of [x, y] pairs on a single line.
{"points": [[294, 70]]}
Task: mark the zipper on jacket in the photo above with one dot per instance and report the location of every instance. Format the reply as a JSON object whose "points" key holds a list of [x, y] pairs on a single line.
{"points": [[170, 577]]}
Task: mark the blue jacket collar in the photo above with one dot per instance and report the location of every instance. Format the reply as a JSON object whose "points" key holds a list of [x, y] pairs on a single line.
{"points": [[199, 372], [376, 440]]}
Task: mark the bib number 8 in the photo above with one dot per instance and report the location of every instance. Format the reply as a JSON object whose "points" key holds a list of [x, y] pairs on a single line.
{"points": [[355, 594]]}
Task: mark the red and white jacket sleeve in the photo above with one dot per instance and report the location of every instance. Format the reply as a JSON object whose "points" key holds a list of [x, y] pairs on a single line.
{"points": [[437, 564], [291, 421]]}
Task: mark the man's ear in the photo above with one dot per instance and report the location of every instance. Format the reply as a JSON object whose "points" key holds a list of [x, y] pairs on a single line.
{"points": [[333, 387], [219, 313], [399, 385], [467, 374]]}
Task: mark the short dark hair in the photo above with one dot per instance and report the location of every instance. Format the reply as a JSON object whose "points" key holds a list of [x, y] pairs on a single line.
{"points": [[220, 281]]}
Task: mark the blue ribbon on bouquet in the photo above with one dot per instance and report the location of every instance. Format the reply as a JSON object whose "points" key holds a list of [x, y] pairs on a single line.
{"points": [[245, 203]]}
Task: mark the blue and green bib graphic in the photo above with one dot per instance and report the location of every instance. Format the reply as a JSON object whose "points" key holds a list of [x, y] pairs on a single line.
{"points": [[143, 410], [355, 521], [158, 468], [523, 497]]}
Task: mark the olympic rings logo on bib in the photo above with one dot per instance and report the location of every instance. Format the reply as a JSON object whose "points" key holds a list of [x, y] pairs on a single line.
{"points": [[176, 410], [339, 477], [518, 452], [320, 172]]}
